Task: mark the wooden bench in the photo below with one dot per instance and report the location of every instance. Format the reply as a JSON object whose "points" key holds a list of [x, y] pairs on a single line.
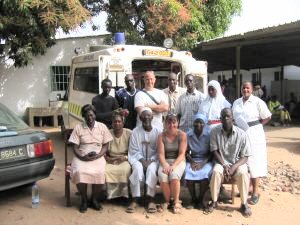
{"points": [[41, 112]]}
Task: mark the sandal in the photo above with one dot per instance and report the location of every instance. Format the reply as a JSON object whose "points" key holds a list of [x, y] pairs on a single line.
{"points": [[245, 210], [210, 208], [151, 208], [254, 199], [132, 207], [162, 207], [177, 208]]}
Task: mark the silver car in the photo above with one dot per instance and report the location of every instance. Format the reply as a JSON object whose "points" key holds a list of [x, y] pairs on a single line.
{"points": [[26, 155]]}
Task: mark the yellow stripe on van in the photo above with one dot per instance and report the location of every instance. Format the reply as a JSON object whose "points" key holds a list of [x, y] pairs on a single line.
{"points": [[75, 109]]}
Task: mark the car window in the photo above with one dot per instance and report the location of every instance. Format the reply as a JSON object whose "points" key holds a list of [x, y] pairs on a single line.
{"points": [[10, 120]]}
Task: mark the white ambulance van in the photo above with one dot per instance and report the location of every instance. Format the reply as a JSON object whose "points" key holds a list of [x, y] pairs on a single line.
{"points": [[114, 62]]}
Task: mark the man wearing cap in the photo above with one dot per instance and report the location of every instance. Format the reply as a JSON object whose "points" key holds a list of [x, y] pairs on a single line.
{"points": [[199, 165], [143, 157], [153, 98], [125, 97], [230, 147]]}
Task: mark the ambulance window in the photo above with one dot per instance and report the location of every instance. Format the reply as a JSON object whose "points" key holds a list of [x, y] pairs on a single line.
{"points": [[86, 79], [199, 83]]}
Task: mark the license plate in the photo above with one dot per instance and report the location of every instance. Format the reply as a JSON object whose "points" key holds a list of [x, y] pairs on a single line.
{"points": [[14, 153]]}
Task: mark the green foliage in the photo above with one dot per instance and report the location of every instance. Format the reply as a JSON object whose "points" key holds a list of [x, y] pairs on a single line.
{"points": [[186, 21], [28, 27]]}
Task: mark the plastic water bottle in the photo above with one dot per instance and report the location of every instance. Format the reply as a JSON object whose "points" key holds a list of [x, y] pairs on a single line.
{"points": [[35, 196]]}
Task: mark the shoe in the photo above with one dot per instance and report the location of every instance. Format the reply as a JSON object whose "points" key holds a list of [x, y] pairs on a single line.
{"points": [[245, 210], [83, 205], [96, 205], [254, 199], [132, 207], [210, 208], [151, 208], [177, 208]]}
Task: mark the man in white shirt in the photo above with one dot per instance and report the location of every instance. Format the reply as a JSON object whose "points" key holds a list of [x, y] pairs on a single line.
{"points": [[173, 91], [153, 98]]}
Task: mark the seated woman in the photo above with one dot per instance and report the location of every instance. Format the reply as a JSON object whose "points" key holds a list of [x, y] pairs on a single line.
{"points": [[90, 141], [278, 111], [117, 168], [172, 144], [199, 167]]}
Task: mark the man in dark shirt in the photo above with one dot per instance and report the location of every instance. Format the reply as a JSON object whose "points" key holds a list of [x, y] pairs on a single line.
{"points": [[105, 104], [125, 97]]}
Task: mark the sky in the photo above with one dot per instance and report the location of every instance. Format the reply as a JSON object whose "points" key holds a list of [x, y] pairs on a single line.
{"points": [[255, 14]]}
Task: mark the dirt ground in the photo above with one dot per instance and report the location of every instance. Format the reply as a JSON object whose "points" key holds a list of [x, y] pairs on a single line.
{"points": [[276, 206]]}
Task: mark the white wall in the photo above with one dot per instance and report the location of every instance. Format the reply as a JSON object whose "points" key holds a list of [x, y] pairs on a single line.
{"points": [[267, 75], [31, 86]]}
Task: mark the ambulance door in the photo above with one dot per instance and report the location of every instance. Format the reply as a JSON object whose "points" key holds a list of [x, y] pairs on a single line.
{"points": [[199, 69], [112, 68]]}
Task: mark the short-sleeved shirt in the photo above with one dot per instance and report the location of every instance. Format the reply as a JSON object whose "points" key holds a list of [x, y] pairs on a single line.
{"points": [[90, 140], [104, 105], [173, 97], [199, 146], [142, 98], [232, 147], [187, 106]]}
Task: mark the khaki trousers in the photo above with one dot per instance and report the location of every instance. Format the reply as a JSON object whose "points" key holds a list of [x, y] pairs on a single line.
{"points": [[241, 176]]}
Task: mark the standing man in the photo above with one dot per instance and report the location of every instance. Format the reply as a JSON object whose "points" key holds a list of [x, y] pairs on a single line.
{"points": [[143, 157], [125, 97], [173, 91], [188, 104], [152, 98], [105, 104], [230, 147]]}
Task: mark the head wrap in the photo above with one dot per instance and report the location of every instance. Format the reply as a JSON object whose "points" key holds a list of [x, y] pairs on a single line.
{"points": [[200, 116], [216, 85]]}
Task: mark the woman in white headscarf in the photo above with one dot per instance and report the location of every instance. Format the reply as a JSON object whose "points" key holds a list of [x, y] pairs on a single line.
{"points": [[213, 104]]}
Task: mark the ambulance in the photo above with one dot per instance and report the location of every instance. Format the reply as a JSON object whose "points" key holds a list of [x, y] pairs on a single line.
{"points": [[115, 61]]}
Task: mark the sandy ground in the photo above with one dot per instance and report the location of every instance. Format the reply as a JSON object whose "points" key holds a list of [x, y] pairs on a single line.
{"points": [[274, 207]]}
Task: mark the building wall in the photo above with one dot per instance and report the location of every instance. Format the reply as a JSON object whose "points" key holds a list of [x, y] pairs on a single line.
{"points": [[31, 86], [267, 76]]}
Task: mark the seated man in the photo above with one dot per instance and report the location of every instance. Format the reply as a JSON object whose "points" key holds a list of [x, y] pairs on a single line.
{"points": [[230, 147], [143, 157], [199, 167], [278, 111]]}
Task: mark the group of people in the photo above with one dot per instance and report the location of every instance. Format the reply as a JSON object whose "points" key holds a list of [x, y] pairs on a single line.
{"points": [[166, 136]]}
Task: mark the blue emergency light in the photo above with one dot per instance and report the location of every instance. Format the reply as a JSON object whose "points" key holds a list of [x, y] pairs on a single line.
{"points": [[119, 38]]}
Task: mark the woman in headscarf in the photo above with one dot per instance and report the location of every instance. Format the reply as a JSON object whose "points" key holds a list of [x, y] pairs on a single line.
{"points": [[199, 166], [213, 104]]}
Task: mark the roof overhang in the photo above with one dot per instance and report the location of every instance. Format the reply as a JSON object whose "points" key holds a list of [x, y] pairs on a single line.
{"points": [[264, 48]]}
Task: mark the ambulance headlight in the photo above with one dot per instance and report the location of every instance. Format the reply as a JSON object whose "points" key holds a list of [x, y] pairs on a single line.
{"points": [[168, 43]]}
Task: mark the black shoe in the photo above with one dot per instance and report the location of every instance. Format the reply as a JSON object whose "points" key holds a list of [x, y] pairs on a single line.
{"points": [[96, 205], [83, 205]]}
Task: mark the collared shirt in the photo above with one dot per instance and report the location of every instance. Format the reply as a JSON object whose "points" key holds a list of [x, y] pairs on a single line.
{"points": [[251, 110], [187, 106], [173, 96], [232, 147], [90, 139], [198, 146]]}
